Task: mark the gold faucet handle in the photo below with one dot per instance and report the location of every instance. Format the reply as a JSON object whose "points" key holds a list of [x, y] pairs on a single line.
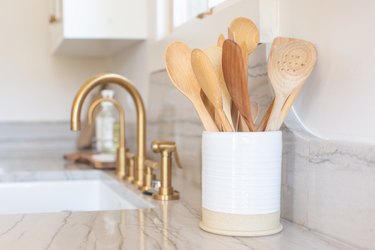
{"points": [[149, 176], [151, 164], [129, 155]]}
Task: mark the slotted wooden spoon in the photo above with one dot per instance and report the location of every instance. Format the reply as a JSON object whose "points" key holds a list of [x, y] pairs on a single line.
{"points": [[290, 62], [209, 82], [178, 65], [236, 80]]}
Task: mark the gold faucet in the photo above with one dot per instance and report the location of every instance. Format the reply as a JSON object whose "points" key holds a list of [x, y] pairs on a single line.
{"points": [[120, 153], [103, 79]]}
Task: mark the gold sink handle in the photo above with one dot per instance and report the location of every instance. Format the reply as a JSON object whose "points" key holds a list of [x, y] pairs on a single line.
{"points": [[149, 176]]}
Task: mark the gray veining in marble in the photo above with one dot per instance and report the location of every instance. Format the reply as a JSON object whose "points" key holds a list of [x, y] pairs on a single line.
{"points": [[328, 185]]}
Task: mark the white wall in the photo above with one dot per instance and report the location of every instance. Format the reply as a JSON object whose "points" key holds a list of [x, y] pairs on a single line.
{"points": [[36, 86], [337, 102], [133, 64]]}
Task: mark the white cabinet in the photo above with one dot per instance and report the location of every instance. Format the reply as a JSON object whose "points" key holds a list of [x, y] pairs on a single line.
{"points": [[96, 27]]}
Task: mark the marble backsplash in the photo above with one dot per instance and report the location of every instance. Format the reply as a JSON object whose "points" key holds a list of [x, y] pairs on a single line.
{"points": [[327, 186]]}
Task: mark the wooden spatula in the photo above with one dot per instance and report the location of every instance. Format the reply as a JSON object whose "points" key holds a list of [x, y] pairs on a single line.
{"points": [[236, 80]]}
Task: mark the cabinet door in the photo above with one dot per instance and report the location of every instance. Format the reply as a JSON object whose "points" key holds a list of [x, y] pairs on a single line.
{"points": [[105, 19]]}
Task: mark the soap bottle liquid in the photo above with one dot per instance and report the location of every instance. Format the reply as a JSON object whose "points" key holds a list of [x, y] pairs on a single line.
{"points": [[107, 125]]}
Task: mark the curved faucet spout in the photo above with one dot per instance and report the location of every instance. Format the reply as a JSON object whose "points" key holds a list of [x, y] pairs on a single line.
{"points": [[120, 152], [103, 79]]}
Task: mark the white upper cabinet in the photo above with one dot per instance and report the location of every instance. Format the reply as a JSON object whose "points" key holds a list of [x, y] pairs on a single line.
{"points": [[96, 27]]}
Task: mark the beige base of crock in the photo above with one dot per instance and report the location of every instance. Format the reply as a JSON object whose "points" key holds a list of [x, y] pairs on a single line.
{"points": [[240, 225]]}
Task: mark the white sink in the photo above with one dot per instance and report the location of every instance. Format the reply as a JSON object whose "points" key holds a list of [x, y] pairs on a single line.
{"points": [[91, 192]]}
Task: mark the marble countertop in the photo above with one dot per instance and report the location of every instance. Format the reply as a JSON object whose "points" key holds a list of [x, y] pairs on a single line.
{"points": [[169, 225]]}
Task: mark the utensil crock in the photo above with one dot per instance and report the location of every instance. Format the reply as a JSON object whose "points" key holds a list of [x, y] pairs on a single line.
{"points": [[241, 181]]}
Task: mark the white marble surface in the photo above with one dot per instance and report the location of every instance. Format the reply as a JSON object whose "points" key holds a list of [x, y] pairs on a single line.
{"points": [[328, 187], [169, 225]]}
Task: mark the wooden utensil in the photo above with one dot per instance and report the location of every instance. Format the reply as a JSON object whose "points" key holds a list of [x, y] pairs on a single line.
{"points": [[275, 44], [290, 63], [211, 109], [288, 104], [263, 123], [235, 116], [234, 112], [178, 65], [245, 33], [292, 97], [209, 82], [214, 53], [254, 107], [220, 40], [236, 80], [242, 126]]}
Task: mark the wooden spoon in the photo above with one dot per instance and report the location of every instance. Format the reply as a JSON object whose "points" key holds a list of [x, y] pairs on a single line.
{"points": [[290, 63], [245, 33], [178, 64], [209, 82], [214, 53], [236, 80]]}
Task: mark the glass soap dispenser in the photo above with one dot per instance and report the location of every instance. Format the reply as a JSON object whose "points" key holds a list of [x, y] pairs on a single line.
{"points": [[107, 125]]}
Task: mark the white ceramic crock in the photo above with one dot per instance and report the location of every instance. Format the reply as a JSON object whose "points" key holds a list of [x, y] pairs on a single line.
{"points": [[241, 181]]}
